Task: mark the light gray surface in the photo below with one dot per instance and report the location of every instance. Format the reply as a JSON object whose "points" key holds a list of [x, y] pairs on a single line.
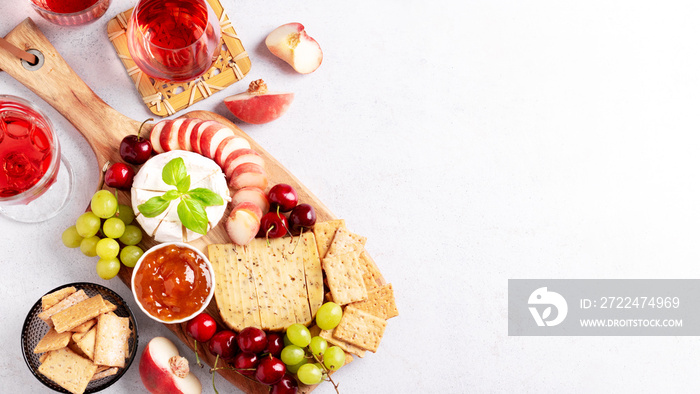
{"points": [[471, 142]]}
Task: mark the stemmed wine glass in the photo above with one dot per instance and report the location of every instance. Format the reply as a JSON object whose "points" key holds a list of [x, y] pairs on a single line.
{"points": [[35, 180], [173, 40]]}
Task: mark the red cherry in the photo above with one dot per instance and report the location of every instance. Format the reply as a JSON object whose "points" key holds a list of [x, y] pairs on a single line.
{"points": [[288, 385], [243, 361], [273, 225], [202, 327], [302, 216], [282, 196], [270, 370], [119, 176], [223, 344], [135, 149], [275, 344], [252, 340]]}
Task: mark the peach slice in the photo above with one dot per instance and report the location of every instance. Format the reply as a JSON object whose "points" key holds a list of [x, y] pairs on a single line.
{"points": [[183, 135], [228, 146], [211, 138], [242, 225], [163, 370], [240, 156], [257, 105], [155, 135], [253, 195], [291, 43], [169, 136], [196, 134], [248, 174]]}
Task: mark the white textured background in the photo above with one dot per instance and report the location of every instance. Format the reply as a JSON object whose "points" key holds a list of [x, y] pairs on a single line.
{"points": [[471, 142]]}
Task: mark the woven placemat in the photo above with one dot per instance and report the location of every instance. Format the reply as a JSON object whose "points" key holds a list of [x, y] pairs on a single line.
{"points": [[165, 98]]}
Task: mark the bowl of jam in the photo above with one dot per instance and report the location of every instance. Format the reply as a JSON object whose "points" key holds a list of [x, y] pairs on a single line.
{"points": [[173, 282]]}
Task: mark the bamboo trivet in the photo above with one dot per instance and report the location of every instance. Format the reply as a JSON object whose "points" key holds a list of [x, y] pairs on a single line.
{"points": [[165, 98]]}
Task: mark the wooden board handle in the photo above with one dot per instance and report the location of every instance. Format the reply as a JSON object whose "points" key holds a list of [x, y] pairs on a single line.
{"points": [[57, 83]]}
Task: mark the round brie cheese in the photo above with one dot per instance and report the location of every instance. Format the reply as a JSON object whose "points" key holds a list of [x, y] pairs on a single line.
{"points": [[149, 183]]}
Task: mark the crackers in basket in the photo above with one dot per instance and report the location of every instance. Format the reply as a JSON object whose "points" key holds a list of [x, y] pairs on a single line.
{"points": [[86, 340]]}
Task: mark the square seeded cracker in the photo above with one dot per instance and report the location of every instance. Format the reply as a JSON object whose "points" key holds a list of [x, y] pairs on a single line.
{"points": [[68, 370], [370, 273], [347, 347], [345, 242], [380, 302], [345, 278], [324, 233], [360, 329]]}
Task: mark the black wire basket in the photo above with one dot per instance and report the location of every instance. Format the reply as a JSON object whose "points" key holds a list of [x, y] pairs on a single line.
{"points": [[34, 329]]}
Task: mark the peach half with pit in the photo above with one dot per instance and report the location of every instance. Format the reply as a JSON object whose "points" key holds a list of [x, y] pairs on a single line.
{"points": [[257, 105], [291, 43], [163, 370]]}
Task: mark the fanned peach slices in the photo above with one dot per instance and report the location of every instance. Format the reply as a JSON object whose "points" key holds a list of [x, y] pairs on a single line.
{"points": [[243, 166]]}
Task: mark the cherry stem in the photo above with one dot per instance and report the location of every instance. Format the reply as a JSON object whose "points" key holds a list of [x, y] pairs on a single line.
{"points": [[213, 384], [328, 373], [196, 355], [138, 134], [301, 233]]}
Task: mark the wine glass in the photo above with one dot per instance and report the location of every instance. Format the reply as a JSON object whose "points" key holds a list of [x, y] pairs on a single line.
{"points": [[35, 180], [173, 40], [71, 12]]}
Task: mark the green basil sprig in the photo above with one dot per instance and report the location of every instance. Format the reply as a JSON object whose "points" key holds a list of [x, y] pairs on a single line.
{"points": [[190, 209]]}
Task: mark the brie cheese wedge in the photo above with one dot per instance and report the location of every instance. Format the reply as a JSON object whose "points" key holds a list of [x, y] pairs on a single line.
{"points": [[149, 183]]}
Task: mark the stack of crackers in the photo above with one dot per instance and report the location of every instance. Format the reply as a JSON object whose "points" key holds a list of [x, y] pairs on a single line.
{"points": [[86, 340], [356, 284]]}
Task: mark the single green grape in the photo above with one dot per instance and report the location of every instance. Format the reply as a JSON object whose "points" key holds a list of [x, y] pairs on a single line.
{"points": [[88, 224], [334, 358], [328, 316], [292, 355], [126, 214], [113, 227], [108, 268], [89, 246], [71, 238], [299, 335], [104, 204], [295, 368], [286, 340], [132, 235], [130, 255], [318, 346], [310, 374], [107, 248]]}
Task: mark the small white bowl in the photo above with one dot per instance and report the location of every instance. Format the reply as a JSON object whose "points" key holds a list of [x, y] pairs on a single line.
{"points": [[182, 245]]}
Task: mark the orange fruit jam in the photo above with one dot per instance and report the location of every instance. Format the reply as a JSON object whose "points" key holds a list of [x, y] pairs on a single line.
{"points": [[172, 283]]}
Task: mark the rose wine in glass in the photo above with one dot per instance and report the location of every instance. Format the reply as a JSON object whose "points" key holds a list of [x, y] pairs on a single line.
{"points": [[173, 40], [70, 12], [34, 182]]}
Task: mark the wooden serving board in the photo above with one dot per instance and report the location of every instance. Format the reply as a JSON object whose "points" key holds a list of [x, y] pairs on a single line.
{"points": [[104, 128]]}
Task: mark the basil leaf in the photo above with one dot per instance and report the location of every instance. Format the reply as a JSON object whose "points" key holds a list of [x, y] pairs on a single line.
{"points": [[171, 195], [192, 214], [174, 171], [184, 185], [206, 196], [153, 207]]}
